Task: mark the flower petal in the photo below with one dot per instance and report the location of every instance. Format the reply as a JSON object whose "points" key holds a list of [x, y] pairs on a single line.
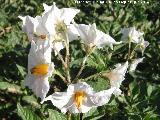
{"points": [[72, 32], [61, 100], [131, 33], [39, 85], [135, 63], [81, 86], [67, 18], [102, 97], [28, 26], [104, 39]]}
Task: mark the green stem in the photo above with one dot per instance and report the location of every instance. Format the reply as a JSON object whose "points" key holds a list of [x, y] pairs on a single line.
{"points": [[67, 59], [60, 56], [81, 68], [129, 50], [133, 51], [69, 116], [61, 76], [93, 76]]}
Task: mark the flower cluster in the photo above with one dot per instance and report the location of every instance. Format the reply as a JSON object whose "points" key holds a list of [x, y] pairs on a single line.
{"points": [[53, 31]]}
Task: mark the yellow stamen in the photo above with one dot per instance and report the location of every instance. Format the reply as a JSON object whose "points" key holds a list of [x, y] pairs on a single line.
{"points": [[41, 69], [79, 97], [43, 37]]}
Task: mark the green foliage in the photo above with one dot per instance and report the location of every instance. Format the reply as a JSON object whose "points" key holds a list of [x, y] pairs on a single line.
{"points": [[55, 115], [26, 114], [141, 89]]}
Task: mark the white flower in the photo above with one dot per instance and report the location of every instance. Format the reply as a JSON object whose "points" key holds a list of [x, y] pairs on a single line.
{"points": [[56, 15], [72, 32], [79, 98], [51, 26], [135, 63], [142, 45], [58, 24], [116, 76], [131, 34], [34, 28], [58, 19], [28, 26], [39, 68], [91, 36]]}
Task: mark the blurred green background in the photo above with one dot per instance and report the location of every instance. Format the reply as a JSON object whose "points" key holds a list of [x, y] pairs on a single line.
{"points": [[141, 98]]}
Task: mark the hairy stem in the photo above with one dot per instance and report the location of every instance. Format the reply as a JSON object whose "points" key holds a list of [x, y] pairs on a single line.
{"points": [[69, 116], [60, 57], [67, 59], [129, 50], [82, 67], [60, 75], [93, 76]]}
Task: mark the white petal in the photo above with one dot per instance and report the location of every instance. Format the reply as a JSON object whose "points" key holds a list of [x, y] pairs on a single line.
{"points": [[132, 34], [135, 63], [72, 32], [68, 17], [50, 69], [40, 52], [39, 85], [40, 28], [142, 45], [73, 109], [46, 8], [117, 92], [86, 106], [83, 32], [116, 76], [28, 80], [28, 26], [50, 22], [121, 69], [60, 100], [81, 86], [102, 97], [92, 34], [104, 39], [58, 46]]}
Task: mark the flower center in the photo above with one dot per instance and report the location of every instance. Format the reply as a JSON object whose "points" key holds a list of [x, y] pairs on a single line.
{"points": [[43, 37], [61, 27], [79, 97], [40, 70]]}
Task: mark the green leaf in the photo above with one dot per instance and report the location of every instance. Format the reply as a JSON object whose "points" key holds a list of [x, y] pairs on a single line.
{"points": [[134, 88], [94, 114], [10, 87], [55, 115], [31, 100], [149, 90], [99, 84], [21, 70], [97, 60], [26, 114]]}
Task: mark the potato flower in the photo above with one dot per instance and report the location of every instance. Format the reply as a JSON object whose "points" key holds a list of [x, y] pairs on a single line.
{"points": [[142, 45], [92, 37], [131, 35], [40, 68], [79, 98], [58, 23], [116, 76], [34, 28], [52, 25], [135, 63]]}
